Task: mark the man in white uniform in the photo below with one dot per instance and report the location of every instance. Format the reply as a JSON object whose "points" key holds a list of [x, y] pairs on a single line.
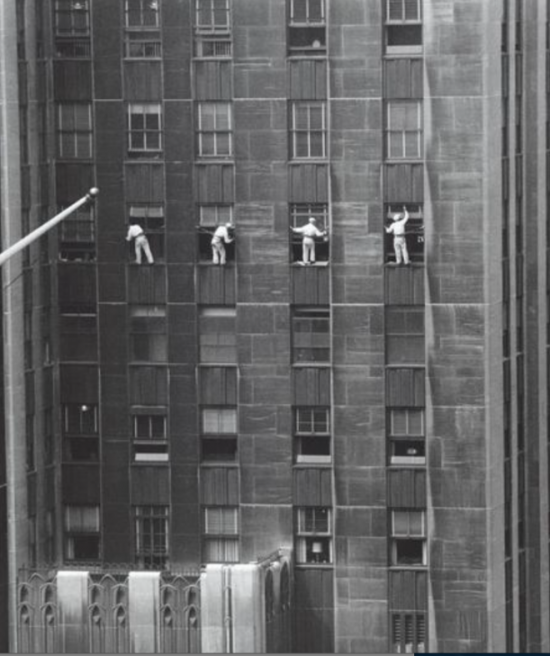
{"points": [[219, 239], [141, 243], [399, 240], [308, 232]]}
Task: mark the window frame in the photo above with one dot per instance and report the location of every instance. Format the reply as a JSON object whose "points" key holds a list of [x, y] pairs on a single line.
{"points": [[405, 347], [404, 132], [400, 633], [147, 134], [297, 133], [67, 424], [408, 537], [74, 136], [225, 416], [68, 9], [81, 226], [299, 214], [215, 133], [321, 353], [222, 213], [226, 539], [312, 440], [221, 349], [211, 27], [142, 33], [306, 552], [414, 231], [81, 528], [148, 553]]}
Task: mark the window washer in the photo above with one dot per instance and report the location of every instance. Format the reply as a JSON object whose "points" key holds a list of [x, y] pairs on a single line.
{"points": [[308, 232], [399, 240], [141, 243], [221, 237]]}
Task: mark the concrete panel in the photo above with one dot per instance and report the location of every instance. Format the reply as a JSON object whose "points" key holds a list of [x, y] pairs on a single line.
{"points": [[143, 611], [72, 601]]}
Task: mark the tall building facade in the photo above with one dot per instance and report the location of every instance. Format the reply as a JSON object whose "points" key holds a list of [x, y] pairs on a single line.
{"points": [[386, 424]]}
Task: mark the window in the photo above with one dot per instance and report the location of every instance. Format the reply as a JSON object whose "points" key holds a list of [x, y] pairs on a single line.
{"points": [[307, 29], [80, 419], [142, 38], [78, 337], [210, 217], [408, 545], [212, 16], [151, 536], [408, 633], [214, 129], [404, 129], [81, 532], [407, 445], [218, 429], [144, 129], [149, 426], [77, 236], [312, 433], [300, 214], [219, 420], [310, 336], [220, 538], [72, 17], [74, 131], [217, 337], [151, 218], [308, 130], [313, 535], [149, 433], [141, 13], [414, 231], [403, 27], [148, 340], [405, 335]]}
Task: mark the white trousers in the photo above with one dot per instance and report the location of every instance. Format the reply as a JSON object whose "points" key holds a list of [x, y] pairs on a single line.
{"points": [[142, 246]]}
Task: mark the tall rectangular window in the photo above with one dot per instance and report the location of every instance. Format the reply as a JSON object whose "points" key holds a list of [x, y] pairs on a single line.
{"points": [[77, 236], [312, 434], [80, 419], [81, 533], [210, 217], [313, 535], [403, 26], [148, 339], [310, 336], [407, 436], [212, 16], [300, 213], [149, 435], [212, 28], [144, 129], [72, 17], [142, 37], [414, 230], [404, 129], [151, 536], [215, 126], [307, 28], [408, 532], [74, 131], [217, 336], [405, 342], [308, 129], [221, 534]]}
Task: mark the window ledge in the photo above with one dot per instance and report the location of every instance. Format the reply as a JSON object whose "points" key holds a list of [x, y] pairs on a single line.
{"points": [[315, 264], [314, 565]]}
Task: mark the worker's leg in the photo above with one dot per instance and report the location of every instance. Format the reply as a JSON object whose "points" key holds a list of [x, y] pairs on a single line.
{"points": [[215, 254], [405, 251], [147, 250], [222, 253], [137, 247], [397, 249]]}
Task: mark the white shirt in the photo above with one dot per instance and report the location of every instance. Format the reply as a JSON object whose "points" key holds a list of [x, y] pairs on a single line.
{"points": [[133, 232], [220, 234], [398, 227], [309, 230]]}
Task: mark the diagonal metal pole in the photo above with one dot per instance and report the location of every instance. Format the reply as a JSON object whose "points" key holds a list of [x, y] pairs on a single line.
{"points": [[32, 236]]}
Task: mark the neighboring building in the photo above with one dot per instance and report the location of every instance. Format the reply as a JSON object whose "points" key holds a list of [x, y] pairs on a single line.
{"points": [[386, 425]]}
